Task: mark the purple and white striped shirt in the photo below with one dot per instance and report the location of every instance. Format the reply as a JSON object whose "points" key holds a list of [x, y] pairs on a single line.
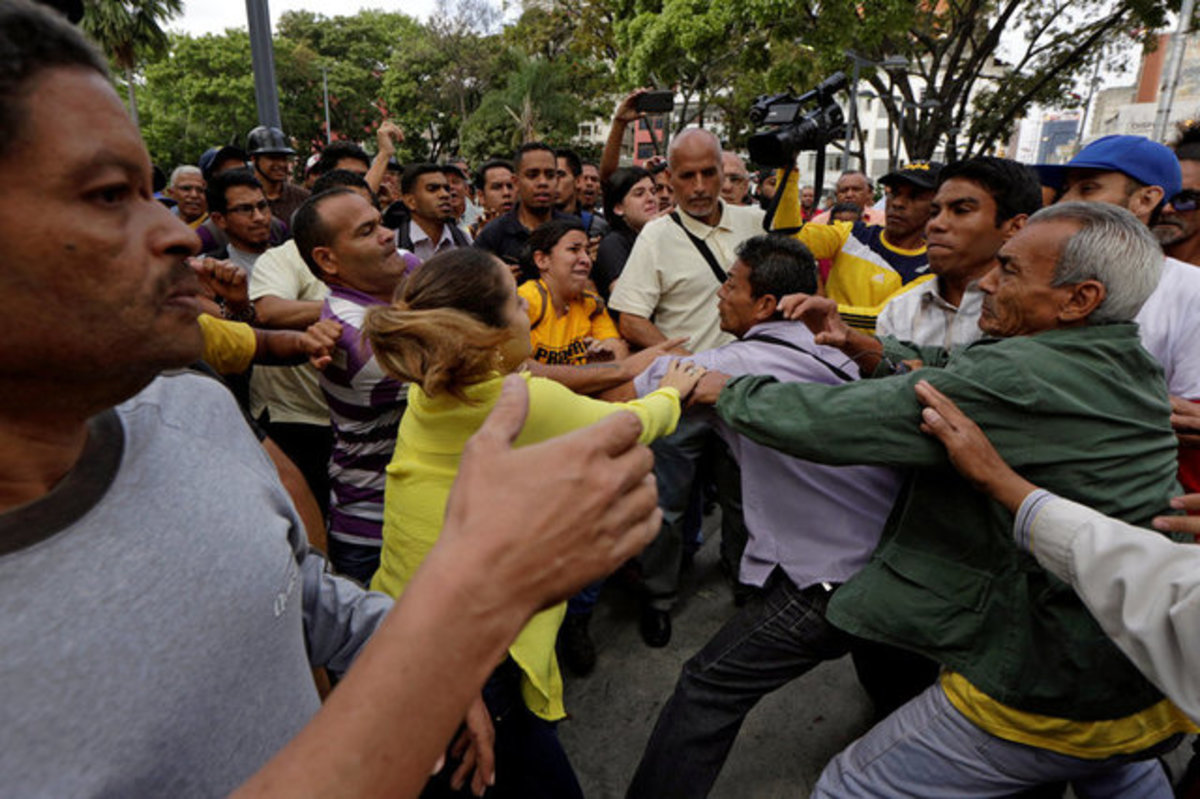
{"points": [[365, 406]]}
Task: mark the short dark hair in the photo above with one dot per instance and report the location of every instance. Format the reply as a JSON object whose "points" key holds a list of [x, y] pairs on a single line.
{"points": [[336, 151], [592, 164], [530, 147], [1015, 188], [572, 158], [34, 39], [1187, 146], [495, 163], [220, 183], [340, 178], [548, 234], [309, 229], [845, 208], [344, 179], [413, 172], [779, 265], [616, 188]]}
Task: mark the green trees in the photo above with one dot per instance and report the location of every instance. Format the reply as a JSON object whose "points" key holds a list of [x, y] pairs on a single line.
{"points": [[128, 31], [461, 82]]}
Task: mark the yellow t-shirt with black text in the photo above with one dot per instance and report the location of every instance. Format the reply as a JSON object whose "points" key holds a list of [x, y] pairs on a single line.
{"points": [[563, 339]]}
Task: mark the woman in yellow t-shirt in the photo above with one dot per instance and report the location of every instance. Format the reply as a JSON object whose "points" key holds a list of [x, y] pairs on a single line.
{"points": [[568, 323], [456, 327]]}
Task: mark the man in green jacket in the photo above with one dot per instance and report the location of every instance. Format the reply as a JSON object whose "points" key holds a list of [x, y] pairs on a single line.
{"points": [[1032, 691]]}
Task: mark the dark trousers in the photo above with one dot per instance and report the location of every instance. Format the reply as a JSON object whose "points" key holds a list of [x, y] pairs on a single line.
{"points": [[779, 635], [530, 760], [359, 562], [677, 459], [309, 447]]}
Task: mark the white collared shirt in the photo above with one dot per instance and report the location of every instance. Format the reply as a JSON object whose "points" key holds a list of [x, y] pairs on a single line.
{"points": [[921, 315], [423, 247]]}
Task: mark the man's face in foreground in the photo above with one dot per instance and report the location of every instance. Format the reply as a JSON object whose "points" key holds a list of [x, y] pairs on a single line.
{"points": [[1019, 298], [962, 233], [94, 265]]}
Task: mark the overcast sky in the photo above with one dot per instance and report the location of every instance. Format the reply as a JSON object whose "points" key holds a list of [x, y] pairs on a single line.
{"points": [[214, 16]]}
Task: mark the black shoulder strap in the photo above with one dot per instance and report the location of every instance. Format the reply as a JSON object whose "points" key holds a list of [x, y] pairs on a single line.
{"points": [[537, 284], [780, 342], [717, 271]]}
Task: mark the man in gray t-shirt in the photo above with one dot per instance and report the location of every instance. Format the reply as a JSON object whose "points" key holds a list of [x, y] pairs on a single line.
{"points": [[160, 612]]}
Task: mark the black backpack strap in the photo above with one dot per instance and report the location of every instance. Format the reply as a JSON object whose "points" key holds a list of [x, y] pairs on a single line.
{"points": [[545, 295], [717, 271], [780, 342]]}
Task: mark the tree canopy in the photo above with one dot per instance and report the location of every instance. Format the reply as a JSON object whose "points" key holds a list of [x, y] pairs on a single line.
{"points": [[463, 83]]}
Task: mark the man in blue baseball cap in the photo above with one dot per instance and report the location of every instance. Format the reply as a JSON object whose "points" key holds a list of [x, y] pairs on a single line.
{"points": [[1130, 171]]}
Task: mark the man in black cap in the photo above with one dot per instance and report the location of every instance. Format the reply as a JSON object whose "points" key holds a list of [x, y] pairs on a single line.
{"points": [[272, 156], [872, 262]]}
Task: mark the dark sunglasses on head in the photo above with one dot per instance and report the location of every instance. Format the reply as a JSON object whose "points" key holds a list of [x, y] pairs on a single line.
{"points": [[1186, 200]]}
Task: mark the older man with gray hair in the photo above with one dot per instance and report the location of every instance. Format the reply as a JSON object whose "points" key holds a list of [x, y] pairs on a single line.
{"points": [[186, 188], [1032, 691]]}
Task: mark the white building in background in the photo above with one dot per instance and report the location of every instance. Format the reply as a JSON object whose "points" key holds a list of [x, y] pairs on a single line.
{"points": [[1131, 110]]}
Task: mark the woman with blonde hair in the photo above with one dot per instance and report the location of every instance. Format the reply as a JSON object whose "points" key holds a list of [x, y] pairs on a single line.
{"points": [[455, 329]]}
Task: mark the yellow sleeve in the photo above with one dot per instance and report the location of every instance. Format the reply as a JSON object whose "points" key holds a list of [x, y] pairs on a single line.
{"points": [[863, 317], [787, 211], [602, 323], [825, 241], [554, 410], [229, 347]]}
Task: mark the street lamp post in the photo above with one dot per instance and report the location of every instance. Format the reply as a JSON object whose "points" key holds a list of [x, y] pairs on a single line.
{"points": [[262, 61], [892, 62]]}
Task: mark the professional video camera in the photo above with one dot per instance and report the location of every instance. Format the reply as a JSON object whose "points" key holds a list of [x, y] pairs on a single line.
{"points": [[791, 128]]}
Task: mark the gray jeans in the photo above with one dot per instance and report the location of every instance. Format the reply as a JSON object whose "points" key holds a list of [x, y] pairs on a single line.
{"points": [[928, 749]]}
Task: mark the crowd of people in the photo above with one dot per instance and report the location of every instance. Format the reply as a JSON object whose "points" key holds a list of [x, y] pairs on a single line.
{"points": [[310, 481]]}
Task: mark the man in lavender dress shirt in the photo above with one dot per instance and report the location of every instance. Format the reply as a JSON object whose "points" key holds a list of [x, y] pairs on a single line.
{"points": [[811, 527], [342, 240]]}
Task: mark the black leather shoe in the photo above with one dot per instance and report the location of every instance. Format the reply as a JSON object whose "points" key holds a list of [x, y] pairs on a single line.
{"points": [[575, 646], [655, 626]]}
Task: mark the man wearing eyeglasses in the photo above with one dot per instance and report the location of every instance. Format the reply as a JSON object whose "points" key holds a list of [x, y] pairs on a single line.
{"points": [[240, 209], [1178, 226]]}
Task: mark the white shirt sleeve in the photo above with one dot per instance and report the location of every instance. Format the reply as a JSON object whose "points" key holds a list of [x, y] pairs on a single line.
{"points": [[1142, 588]]}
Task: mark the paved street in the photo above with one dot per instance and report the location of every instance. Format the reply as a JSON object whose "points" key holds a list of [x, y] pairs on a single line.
{"points": [[785, 741], [782, 747]]}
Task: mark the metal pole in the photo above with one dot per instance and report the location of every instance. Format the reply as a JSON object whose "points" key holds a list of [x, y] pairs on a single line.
{"points": [[852, 123], [262, 61], [328, 128], [1178, 43]]}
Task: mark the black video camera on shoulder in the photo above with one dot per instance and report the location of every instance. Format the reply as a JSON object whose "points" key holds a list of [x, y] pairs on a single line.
{"points": [[792, 128]]}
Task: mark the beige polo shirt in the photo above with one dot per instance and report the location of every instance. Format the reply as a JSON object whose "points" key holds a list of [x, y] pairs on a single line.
{"points": [[667, 280], [291, 393]]}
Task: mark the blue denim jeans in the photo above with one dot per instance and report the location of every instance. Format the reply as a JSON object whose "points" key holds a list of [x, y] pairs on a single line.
{"points": [[928, 749], [359, 562], [779, 635]]}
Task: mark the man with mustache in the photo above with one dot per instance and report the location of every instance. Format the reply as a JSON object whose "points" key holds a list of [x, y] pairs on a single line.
{"points": [[1178, 225]]}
